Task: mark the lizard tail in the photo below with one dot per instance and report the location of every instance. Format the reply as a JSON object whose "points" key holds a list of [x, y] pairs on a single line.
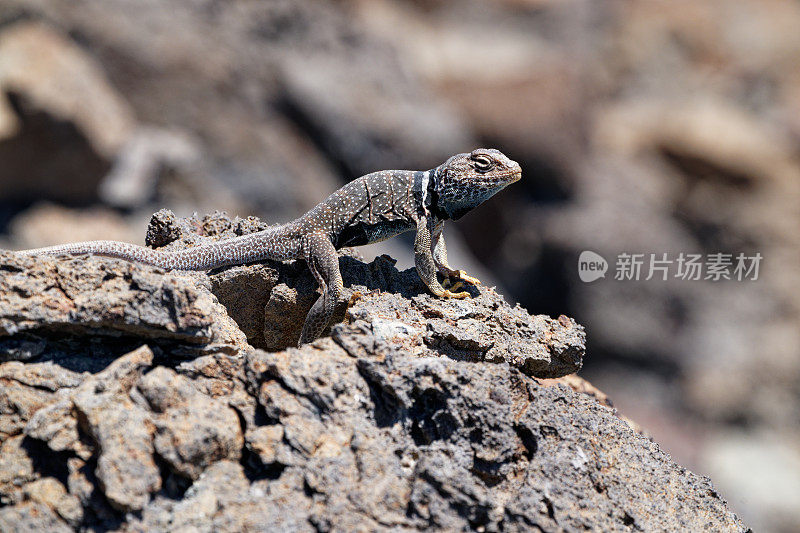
{"points": [[252, 247], [120, 250]]}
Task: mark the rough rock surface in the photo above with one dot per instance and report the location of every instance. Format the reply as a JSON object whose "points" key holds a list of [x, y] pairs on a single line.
{"points": [[56, 308], [415, 413], [319, 438]]}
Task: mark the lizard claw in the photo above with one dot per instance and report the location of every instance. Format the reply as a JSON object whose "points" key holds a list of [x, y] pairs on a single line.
{"points": [[356, 296], [458, 295], [461, 275]]}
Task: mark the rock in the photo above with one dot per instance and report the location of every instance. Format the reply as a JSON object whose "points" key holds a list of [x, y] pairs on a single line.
{"points": [[162, 229], [55, 86], [48, 305], [416, 412], [629, 144], [265, 442], [473, 443], [193, 431], [386, 441], [254, 313], [52, 493], [46, 223], [269, 145], [16, 469], [100, 418], [482, 328], [526, 67], [147, 154], [389, 121], [242, 506], [42, 64], [24, 389], [57, 425], [31, 517], [121, 430]]}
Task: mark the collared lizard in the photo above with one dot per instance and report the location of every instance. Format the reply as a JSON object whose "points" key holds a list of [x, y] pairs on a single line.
{"points": [[369, 209]]}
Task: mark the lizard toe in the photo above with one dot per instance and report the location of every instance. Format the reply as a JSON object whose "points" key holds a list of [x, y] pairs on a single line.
{"points": [[356, 296], [463, 276], [458, 295]]}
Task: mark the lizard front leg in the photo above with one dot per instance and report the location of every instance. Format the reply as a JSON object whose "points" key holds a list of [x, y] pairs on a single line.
{"points": [[426, 266], [440, 258], [323, 261]]}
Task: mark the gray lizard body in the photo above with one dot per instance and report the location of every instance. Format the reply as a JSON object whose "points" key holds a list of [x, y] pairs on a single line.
{"points": [[369, 209]]}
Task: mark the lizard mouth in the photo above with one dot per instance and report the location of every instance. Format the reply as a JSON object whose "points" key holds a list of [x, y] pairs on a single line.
{"points": [[509, 177], [501, 181]]}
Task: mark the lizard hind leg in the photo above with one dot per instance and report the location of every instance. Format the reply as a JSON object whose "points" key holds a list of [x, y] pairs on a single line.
{"points": [[323, 261]]}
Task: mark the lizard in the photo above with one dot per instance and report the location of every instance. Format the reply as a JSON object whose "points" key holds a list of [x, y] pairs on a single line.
{"points": [[372, 208]]}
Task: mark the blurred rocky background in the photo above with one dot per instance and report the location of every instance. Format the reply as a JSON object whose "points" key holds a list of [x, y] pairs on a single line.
{"points": [[642, 127]]}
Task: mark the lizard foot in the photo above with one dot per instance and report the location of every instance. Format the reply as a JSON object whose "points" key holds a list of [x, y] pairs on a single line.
{"points": [[459, 295], [456, 278], [463, 276], [356, 296]]}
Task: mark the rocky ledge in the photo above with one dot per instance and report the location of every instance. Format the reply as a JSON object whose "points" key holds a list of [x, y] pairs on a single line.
{"points": [[137, 400]]}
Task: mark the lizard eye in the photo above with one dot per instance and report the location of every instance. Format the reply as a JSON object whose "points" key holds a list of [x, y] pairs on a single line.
{"points": [[483, 163]]}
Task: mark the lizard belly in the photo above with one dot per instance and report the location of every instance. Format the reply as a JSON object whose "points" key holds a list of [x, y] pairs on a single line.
{"points": [[362, 232]]}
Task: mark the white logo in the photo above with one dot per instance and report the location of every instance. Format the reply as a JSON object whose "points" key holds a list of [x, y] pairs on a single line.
{"points": [[591, 266]]}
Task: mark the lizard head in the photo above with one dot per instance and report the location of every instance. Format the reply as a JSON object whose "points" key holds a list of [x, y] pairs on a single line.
{"points": [[466, 180]]}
